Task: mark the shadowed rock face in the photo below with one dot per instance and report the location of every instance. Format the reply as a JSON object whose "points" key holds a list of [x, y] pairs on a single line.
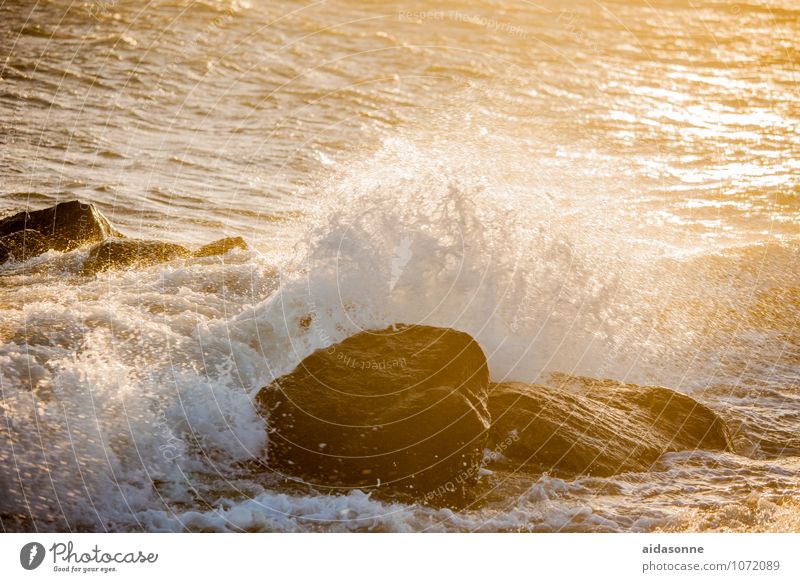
{"points": [[403, 409], [599, 427], [120, 253], [22, 245], [63, 227]]}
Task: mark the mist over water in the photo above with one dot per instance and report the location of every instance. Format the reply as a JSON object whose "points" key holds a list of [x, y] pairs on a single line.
{"points": [[602, 189]]}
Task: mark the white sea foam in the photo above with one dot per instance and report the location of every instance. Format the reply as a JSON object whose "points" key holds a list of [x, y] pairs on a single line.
{"points": [[106, 389], [114, 383]]}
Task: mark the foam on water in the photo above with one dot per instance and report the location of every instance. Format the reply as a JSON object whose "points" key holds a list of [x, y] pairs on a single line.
{"points": [[107, 390], [116, 383], [675, 497], [539, 508]]}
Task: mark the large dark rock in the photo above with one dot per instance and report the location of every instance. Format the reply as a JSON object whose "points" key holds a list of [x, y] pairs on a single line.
{"points": [[121, 253], [598, 427], [63, 227], [400, 409]]}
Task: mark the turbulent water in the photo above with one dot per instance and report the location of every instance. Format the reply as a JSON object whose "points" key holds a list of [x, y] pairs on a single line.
{"points": [[609, 189]]}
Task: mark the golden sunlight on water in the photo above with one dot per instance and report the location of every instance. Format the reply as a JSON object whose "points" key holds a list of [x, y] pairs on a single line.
{"points": [[590, 190]]}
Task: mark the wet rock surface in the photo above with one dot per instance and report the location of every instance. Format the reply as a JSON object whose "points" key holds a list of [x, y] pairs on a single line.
{"points": [[22, 245], [400, 409], [221, 246], [71, 225], [599, 427], [63, 227], [120, 253]]}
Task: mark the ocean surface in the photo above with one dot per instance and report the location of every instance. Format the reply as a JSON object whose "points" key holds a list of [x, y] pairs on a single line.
{"points": [[609, 189]]}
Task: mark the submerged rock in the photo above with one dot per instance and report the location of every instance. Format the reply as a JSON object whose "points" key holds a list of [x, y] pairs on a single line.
{"points": [[403, 409], [598, 427], [221, 246], [63, 227], [121, 253]]}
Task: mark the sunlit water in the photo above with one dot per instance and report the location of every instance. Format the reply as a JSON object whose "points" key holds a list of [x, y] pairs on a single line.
{"points": [[610, 189]]}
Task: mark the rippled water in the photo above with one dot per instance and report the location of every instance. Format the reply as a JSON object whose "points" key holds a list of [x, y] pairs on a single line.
{"points": [[610, 189]]}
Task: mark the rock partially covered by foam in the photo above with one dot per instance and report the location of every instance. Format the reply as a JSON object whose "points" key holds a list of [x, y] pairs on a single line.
{"points": [[63, 227], [121, 253], [401, 409], [22, 245], [221, 247], [599, 427], [125, 253]]}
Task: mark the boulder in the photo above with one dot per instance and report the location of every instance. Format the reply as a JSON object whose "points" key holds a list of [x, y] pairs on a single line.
{"points": [[122, 253], [221, 246], [400, 410], [598, 427], [63, 227]]}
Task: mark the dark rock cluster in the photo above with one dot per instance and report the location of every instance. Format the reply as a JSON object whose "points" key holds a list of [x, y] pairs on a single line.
{"points": [[70, 225], [410, 410]]}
